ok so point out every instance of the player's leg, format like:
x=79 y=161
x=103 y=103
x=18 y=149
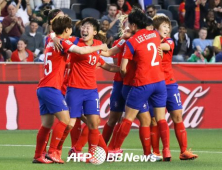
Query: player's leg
x=75 y=132
x=91 y=111
x=83 y=138
x=124 y=92
x=158 y=101
x=52 y=101
x=42 y=139
x=174 y=107
x=144 y=131
x=74 y=98
x=136 y=98
x=57 y=136
x=154 y=133
x=117 y=104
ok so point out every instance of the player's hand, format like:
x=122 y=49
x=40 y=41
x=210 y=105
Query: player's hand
x=104 y=47
x=57 y=44
x=160 y=51
x=127 y=34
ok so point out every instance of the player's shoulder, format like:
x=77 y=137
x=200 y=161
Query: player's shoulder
x=97 y=42
x=66 y=42
x=73 y=39
x=168 y=40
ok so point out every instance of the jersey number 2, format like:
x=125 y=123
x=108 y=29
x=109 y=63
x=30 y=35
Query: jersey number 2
x=48 y=62
x=153 y=63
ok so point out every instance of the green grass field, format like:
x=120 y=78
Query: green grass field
x=17 y=150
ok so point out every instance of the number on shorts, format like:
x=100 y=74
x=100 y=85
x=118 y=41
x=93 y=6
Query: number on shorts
x=49 y=63
x=177 y=96
x=153 y=63
x=97 y=102
x=92 y=60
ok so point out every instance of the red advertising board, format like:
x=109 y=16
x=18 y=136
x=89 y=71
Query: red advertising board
x=199 y=85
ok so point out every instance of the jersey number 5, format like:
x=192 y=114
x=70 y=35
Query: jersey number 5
x=49 y=63
x=153 y=63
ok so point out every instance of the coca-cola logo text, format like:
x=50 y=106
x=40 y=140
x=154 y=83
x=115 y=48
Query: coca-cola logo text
x=192 y=113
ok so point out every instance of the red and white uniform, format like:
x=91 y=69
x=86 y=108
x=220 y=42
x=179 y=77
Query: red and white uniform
x=54 y=65
x=83 y=67
x=167 y=62
x=147 y=59
x=120 y=43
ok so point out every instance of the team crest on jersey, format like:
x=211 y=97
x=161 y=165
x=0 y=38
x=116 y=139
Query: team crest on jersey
x=170 y=41
x=121 y=42
x=68 y=42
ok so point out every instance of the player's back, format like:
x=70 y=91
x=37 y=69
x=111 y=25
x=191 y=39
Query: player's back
x=83 y=67
x=144 y=46
x=54 y=66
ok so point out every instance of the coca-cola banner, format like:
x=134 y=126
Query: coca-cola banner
x=200 y=95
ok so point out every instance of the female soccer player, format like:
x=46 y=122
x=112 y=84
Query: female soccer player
x=49 y=94
x=119 y=95
x=148 y=81
x=173 y=104
x=82 y=91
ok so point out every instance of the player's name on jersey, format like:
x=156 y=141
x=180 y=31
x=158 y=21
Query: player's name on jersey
x=144 y=37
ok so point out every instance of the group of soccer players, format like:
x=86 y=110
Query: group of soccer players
x=143 y=87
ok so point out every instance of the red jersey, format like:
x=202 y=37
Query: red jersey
x=167 y=62
x=142 y=49
x=130 y=73
x=83 y=67
x=120 y=43
x=54 y=65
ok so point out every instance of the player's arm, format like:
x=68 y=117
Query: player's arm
x=56 y=41
x=110 y=67
x=87 y=49
x=160 y=51
x=165 y=46
x=110 y=52
x=123 y=65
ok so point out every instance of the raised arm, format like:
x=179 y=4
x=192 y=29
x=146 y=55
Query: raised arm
x=110 y=52
x=165 y=46
x=87 y=49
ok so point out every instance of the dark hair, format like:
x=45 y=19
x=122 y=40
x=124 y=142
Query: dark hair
x=139 y=18
x=113 y=5
x=212 y=4
x=92 y=21
x=60 y=24
x=211 y=53
x=33 y=21
x=182 y=25
x=51 y=14
x=96 y=27
x=159 y=19
x=25 y=41
x=124 y=8
x=151 y=6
